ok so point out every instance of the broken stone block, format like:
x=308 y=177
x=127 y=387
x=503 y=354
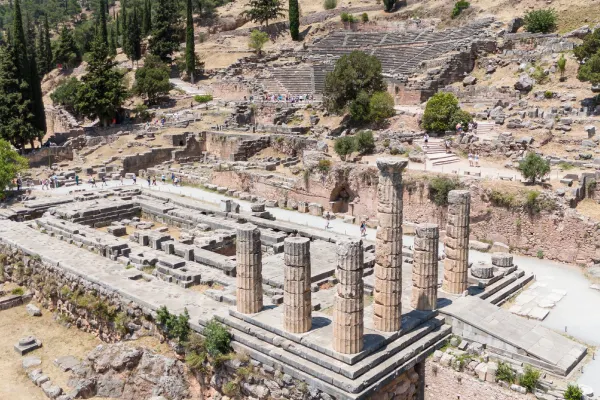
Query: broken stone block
x=482 y=271
x=481 y=371
x=51 y=390
x=27 y=344
x=492 y=368
x=33 y=310
x=31 y=361
x=437 y=355
x=66 y=363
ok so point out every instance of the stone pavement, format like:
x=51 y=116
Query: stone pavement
x=483 y=322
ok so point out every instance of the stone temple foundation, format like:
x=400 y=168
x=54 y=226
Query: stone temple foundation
x=348 y=312
x=387 y=307
x=425 y=267
x=456 y=245
x=297 y=306
x=249 y=270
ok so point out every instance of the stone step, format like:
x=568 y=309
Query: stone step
x=381 y=371
x=504 y=294
x=501 y=284
x=448 y=161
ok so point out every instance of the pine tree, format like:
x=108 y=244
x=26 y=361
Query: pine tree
x=102 y=21
x=294 y=15
x=19 y=43
x=164 y=39
x=262 y=11
x=66 y=52
x=133 y=46
x=147 y=18
x=47 y=45
x=102 y=91
x=117 y=23
x=190 y=50
x=16 y=119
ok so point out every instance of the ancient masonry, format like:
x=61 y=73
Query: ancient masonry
x=425 y=267
x=297 y=306
x=387 y=306
x=249 y=270
x=348 y=313
x=456 y=264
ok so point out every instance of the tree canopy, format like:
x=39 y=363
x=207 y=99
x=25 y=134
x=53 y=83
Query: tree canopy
x=11 y=164
x=534 y=167
x=353 y=73
x=152 y=80
x=165 y=40
x=442 y=113
x=263 y=11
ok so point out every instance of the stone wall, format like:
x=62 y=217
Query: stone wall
x=442 y=383
x=193 y=149
x=49 y=155
x=562 y=234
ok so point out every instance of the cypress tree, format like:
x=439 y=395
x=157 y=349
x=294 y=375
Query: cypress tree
x=147 y=18
x=124 y=20
x=164 y=39
x=117 y=23
x=190 y=53
x=16 y=118
x=47 y=45
x=133 y=47
x=34 y=81
x=102 y=20
x=112 y=42
x=19 y=44
x=294 y=16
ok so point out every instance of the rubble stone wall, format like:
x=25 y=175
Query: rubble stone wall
x=49 y=155
x=446 y=384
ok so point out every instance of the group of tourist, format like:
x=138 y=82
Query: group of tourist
x=473 y=159
x=288 y=98
x=50 y=182
x=152 y=180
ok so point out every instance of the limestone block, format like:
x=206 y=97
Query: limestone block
x=447 y=359
x=297 y=306
x=437 y=355
x=481 y=371
x=502 y=260
x=492 y=368
x=482 y=271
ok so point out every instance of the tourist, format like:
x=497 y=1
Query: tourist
x=148 y=178
x=104 y=181
x=163 y=178
x=172 y=177
x=134 y=178
x=448 y=144
x=55 y=178
x=94 y=182
x=459 y=128
x=470 y=126
x=426 y=139
x=175 y=181
x=154 y=180
x=327 y=220
x=477 y=159
x=76 y=180
x=363 y=229
x=121 y=180
x=19 y=183
x=470 y=158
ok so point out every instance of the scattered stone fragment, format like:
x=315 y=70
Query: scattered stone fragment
x=33 y=310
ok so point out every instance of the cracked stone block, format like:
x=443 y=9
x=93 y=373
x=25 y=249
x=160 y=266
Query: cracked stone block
x=33 y=310
x=27 y=344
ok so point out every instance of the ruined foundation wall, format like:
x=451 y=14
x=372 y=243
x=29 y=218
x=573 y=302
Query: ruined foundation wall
x=562 y=236
x=446 y=384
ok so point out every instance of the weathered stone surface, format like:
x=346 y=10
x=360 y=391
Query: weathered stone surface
x=31 y=361
x=525 y=83
x=297 y=296
x=33 y=310
x=456 y=243
x=425 y=267
x=249 y=270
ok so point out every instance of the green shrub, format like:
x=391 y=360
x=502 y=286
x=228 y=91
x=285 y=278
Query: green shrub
x=442 y=113
x=540 y=21
x=439 y=187
x=18 y=291
x=530 y=378
x=217 y=338
x=365 y=143
x=386 y=143
x=503 y=199
x=324 y=165
x=381 y=107
x=548 y=94
x=540 y=254
x=258 y=40
x=329 y=4
x=344 y=146
x=573 y=392
x=360 y=108
x=394 y=151
x=196 y=361
x=505 y=373
x=345 y=17
x=364 y=17
x=565 y=166
x=121 y=321
x=203 y=98
x=539 y=75
x=230 y=388
x=173 y=326
x=531 y=201
x=533 y=167
x=459 y=6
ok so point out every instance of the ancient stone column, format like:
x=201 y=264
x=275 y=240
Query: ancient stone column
x=425 y=267
x=387 y=307
x=456 y=264
x=297 y=306
x=348 y=311
x=249 y=269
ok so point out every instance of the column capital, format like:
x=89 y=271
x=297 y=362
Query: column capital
x=392 y=165
x=459 y=196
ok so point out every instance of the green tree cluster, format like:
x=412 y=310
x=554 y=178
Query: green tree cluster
x=174 y=326
x=442 y=113
x=389 y=5
x=152 y=80
x=11 y=164
x=44 y=48
x=459 y=6
x=66 y=52
x=363 y=142
x=132 y=42
x=165 y=37
x=258 y=40
x=355 y=78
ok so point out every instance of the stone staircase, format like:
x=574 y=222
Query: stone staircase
x=485 y=128
x=502 y=290
x=435 y=151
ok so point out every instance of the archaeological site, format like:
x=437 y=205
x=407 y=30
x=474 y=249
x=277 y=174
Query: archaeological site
x=300 y=199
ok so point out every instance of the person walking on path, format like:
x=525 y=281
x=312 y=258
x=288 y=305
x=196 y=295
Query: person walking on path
x=154 y=181
x=148 y=180
x=76 y=180
x=470 y=158
x=363 y=229
x=94 y=182
x=104 y=181
x=121 y=180
x=426 y=139
x=134 y=179
x=163 y=178
x=477 y=159
x=327 y=220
